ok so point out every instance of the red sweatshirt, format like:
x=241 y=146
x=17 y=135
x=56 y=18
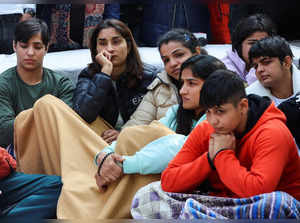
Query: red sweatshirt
x=266 y=160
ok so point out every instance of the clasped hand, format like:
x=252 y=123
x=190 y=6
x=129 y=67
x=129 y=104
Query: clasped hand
x=109 y=172
x=218 y=142
x=110 y=135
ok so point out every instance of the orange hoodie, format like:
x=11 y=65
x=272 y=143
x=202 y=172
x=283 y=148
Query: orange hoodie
x=266 y=159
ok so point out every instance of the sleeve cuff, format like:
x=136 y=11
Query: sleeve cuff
x=130 y=165
x=96 y=158
x=225 y=152
x=212 y=161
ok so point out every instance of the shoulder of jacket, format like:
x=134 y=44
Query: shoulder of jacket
x=160 y=79
x=85 y=73
x=150 y=69
x=255 y=88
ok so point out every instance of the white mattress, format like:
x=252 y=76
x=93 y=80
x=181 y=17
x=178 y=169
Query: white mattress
x=70 y=63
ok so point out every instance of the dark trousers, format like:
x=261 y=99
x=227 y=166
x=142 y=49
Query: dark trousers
x=29 y=195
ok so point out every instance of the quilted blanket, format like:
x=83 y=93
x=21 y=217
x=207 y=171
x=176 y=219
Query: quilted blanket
x=152 y=202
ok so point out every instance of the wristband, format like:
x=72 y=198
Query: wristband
x=219 y=152
x=212 y=161
x=96 y=158
x=102 y=161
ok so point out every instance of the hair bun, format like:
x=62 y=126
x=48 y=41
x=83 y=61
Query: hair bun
x=202 y=41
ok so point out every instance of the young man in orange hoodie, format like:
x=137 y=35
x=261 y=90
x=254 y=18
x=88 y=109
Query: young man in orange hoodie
x=243 y=156
x=243 y=149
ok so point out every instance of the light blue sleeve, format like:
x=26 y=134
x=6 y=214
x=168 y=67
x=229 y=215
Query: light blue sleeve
x=107 y=149
x=155 y=156
x=169 y=119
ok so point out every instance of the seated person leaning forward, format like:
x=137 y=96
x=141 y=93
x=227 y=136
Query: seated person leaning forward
x=244 y=150
x=113 y=85
x=69 y=147
x=22 y=85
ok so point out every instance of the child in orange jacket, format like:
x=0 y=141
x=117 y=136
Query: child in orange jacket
x=243 y=149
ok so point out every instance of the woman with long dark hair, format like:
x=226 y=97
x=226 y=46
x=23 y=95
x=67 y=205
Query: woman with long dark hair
x=113 y=85
x=246 y=33
x=175 y=47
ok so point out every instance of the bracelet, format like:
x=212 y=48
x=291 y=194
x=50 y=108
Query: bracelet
x=96 y=158
x=102 y=161
x=211 y=161
x=219 y=152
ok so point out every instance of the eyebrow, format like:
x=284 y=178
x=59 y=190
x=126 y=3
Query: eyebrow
x=114 y=37
x=191 y=79
x=252 y=39
x=174 y=51
x=264 y=58
x=218 y=107
x=35 y=43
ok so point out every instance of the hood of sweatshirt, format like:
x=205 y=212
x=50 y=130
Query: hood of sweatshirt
x=261 y=110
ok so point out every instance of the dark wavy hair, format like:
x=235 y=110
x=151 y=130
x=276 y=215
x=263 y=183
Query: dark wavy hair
x=223 y=86
x=249 y=25
x=185 y=37
x=272 y=46
x=134 y=62
x=201 y=66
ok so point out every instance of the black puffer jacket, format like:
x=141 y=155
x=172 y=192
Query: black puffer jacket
x=96 y=95
x=291 y=109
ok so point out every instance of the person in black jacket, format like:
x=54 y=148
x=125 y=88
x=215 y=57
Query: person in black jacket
x=291 y=109
x=113 y=85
